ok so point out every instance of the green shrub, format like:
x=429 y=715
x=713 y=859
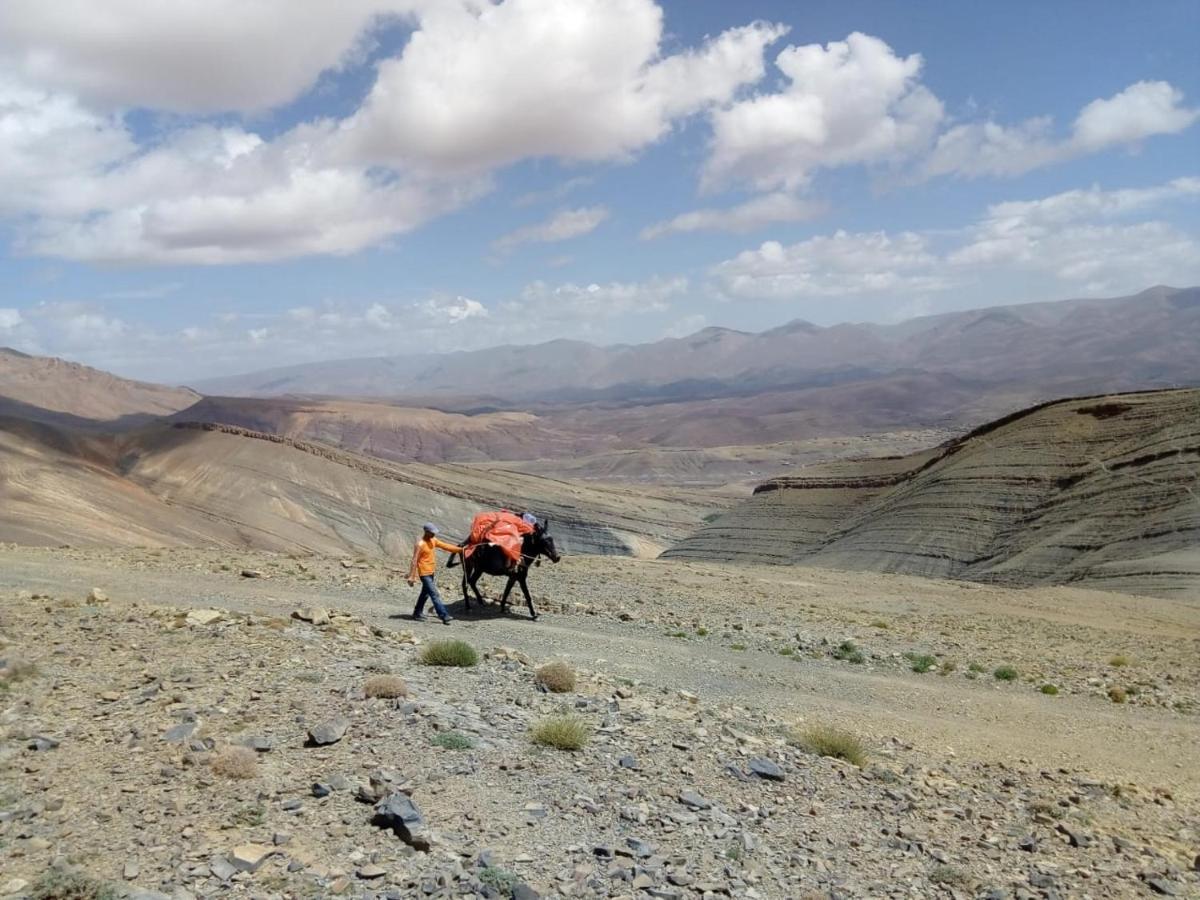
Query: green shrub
x=976 y=667
x=848 y=651
x=825 y=740
x=879 y=623
x=1119 y=661
x=454 y=740
x=786 y=651
x=562 y=732
x=1048 y=689
x=921 y=662
x=250 y=816
x=1005 y=673
x=738 y=647
x=61 y=885
x=557 y=677
x=949 y=875
x=500 y=880
x=449 y=653
x=702 y=631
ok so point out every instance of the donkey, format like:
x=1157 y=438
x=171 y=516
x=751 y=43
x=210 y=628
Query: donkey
x=488 y=559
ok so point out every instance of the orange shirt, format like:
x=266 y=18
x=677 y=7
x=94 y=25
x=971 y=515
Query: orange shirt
x=424 y=560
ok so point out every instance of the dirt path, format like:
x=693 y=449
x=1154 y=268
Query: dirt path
x=978 y=719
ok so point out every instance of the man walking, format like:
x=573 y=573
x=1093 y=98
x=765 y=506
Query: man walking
x=424 y=564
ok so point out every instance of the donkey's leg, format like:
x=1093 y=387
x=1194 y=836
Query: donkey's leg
x=466 y=569
x=512 y=579
x=528 y=598
x=474 y=583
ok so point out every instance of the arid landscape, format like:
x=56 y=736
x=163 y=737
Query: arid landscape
x=599 y=450
x=763 y=700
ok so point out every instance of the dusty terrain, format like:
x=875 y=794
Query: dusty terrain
x=690 y=676
x=1101 y=491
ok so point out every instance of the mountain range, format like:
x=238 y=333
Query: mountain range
x=1146 y=340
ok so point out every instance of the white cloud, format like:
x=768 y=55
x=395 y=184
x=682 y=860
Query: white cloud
x=212 y=56
x=452 y=309
x=1142 y=110
x=10 y=319
x=757 y=212
x=1074 y=237
x=848 y=102
x=834 y=265
x=1076 y=240
x=572 y=79
x=580 y=303
x=562 y=226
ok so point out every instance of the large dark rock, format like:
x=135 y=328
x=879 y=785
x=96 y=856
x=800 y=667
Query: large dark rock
x=398 y=812
x=766 y=768
x=329 y=732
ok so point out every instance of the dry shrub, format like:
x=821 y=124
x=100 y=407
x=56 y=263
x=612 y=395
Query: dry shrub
x=825 y=740
x=387 y=686
x=563 y=732
x=557 y=677
x=58 y=884
x=235 y=762
x=1118 y=694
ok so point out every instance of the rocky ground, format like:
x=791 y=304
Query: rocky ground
x=122 y=710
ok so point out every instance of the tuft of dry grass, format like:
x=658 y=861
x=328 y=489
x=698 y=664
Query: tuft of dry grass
x=1118 y=694
x=557 y=677
x=1119 y=661
x=387 y=686
x=826 y=740
x=57 y=884
x=234 y=762
x=449 y=653
x=562 y=732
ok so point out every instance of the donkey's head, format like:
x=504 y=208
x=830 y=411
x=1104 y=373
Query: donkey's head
x=542 y=544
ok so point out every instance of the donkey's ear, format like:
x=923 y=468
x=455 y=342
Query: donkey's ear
x=546 y=524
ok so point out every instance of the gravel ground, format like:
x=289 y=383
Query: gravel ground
x=972 y=786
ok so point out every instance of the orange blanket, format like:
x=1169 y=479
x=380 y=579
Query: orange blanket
x=504 y=529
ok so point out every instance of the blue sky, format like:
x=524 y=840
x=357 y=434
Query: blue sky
x=196 y=190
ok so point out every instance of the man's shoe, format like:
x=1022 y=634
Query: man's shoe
x=417 y=618
x=447 y=620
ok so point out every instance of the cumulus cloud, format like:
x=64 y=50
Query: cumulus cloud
x=581 y=303
x=9 y=319
x=204 y=195
x=561 y=226
x=829 y=266
x=215 y=56
x=572 y=79
x=1080 y=239
x=758 y=212
x=852 y=101
x=1142 y=110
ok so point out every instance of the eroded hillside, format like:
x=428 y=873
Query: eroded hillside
x=1099 y=491
x=205 y=486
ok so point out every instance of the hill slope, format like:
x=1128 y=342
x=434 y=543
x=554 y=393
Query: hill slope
x=1099 y=491
x=53 y=390
x=181 y=486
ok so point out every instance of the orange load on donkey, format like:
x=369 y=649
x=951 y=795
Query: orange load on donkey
x=505 y=529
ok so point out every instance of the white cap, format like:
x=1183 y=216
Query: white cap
x=430 y=527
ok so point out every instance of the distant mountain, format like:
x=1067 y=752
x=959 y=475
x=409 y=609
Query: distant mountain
x=1146 y=340
x=53 y=390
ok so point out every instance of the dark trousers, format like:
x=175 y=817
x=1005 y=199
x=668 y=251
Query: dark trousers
x=429 y=591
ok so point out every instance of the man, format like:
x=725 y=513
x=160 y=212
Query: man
x=424 y=564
